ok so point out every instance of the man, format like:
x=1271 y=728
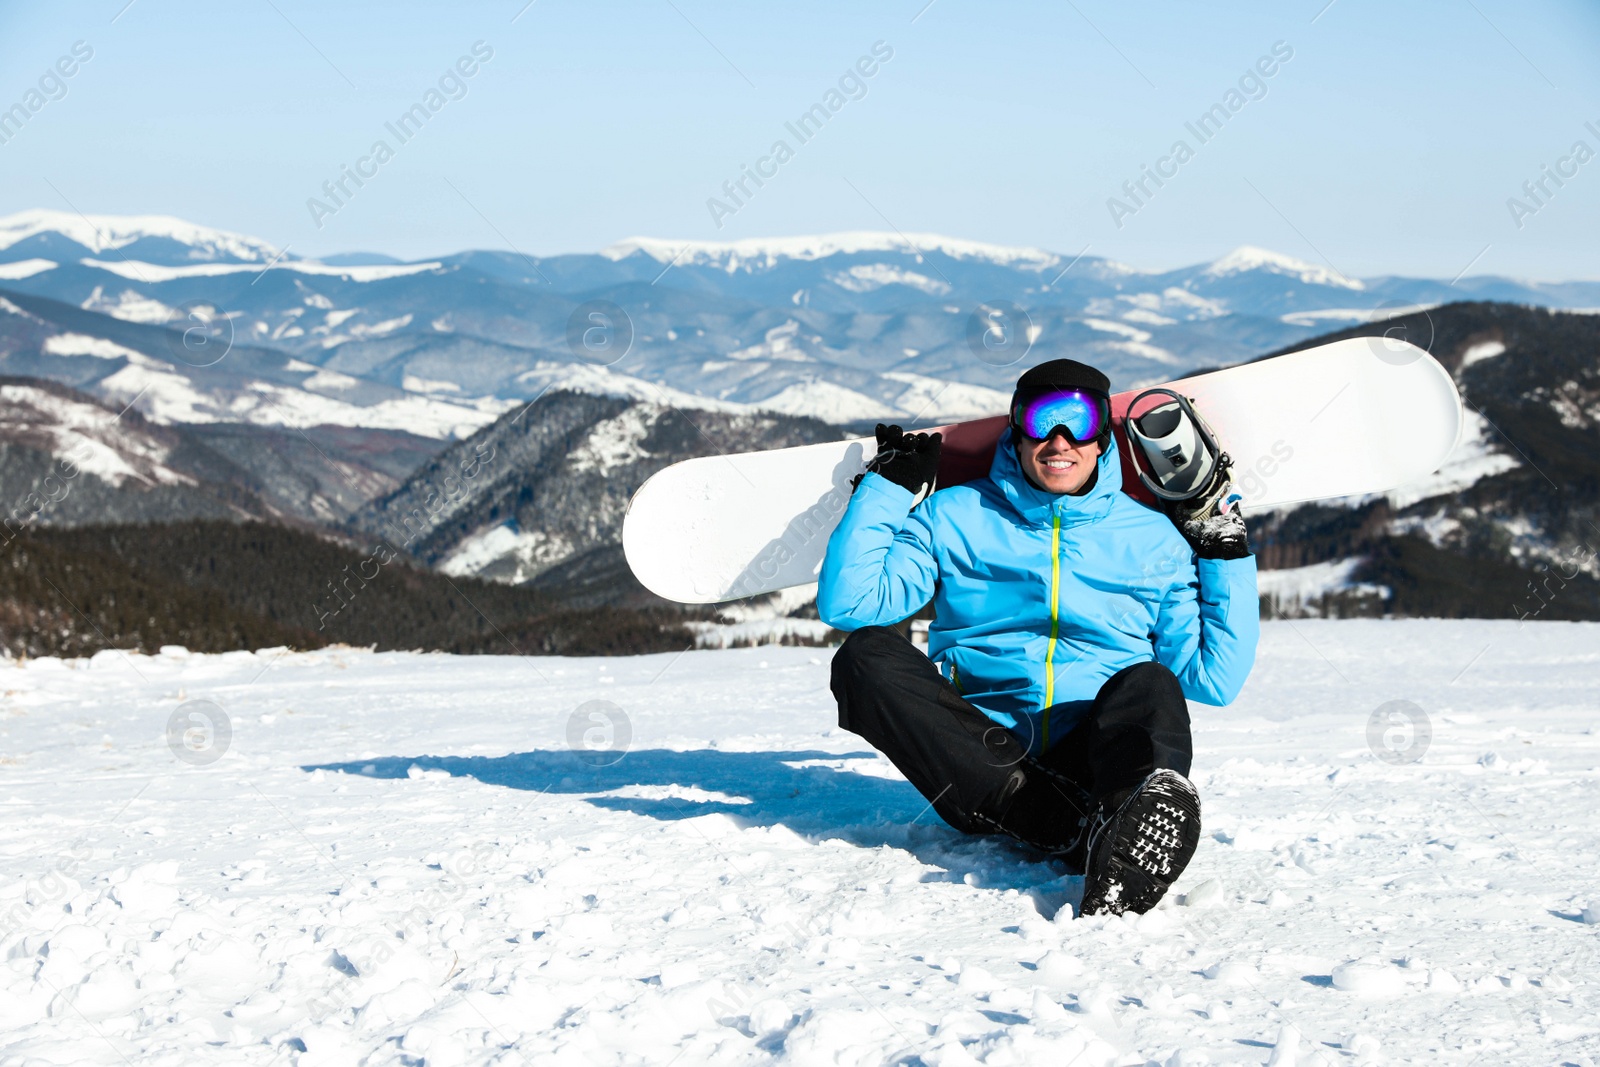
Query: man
x=1070 y=624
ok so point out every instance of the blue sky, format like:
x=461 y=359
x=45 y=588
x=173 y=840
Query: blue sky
x=1390 y=142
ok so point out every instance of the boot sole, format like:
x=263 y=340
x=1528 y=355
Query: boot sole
x=1145 y=848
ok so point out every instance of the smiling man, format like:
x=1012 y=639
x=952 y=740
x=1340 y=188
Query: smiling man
x=1070 y=624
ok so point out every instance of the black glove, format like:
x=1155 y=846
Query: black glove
x=1212 y=526
x=909 y=460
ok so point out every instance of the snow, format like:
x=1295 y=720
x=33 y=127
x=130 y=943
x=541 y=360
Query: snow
x=1201 y=306
x=1153 y=353
x=1291 y=589
x=154 y=274
x=826 y=401
x=129 y=306
x=1321 y=315
x=166 y=396
x=88 y=437
x=411 y=383
x=941 y=400
x=78 y=344
x=1481 y=351
x=24 y=268
x=531 y=550
x=777 y=343
x=764 y=620
x=162 y=394
x=1437 y=528
x=1107 y=326
x=1149 y=318
x=865 y=277
x=102 y=233
x=616 y=442
x=767 y=252
x=404 y=857
x=1380 y=314
x=329 y=379
x=602 y=381
x=1146 y=307
x=1250 y=258
x=922 y=400
x=759 y=632
x=379 y=328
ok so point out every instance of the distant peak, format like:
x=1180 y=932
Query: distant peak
x=103 y=233
x=1249 y=257
x=753 y=252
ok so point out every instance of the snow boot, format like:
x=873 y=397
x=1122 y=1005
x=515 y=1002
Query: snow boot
x=1044 y=810
x=1137 y=849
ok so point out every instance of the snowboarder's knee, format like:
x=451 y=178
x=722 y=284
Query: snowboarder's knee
x=1151 y=680
x=867 y=643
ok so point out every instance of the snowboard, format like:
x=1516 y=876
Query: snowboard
x=1358 y=416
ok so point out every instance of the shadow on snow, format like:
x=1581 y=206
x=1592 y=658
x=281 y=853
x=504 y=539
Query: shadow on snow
x=813 y=793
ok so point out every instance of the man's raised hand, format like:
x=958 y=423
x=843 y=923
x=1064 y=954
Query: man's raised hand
x=909 y=460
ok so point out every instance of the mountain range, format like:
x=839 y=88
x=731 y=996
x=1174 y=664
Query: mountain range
x=473 y=413
x=845 y=327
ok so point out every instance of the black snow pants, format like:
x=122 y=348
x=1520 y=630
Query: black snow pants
x=975 y=773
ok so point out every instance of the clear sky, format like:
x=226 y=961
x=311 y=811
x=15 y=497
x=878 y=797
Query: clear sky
x=1389 y=142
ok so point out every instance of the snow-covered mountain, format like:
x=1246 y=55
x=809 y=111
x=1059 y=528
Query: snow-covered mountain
x=542 y=492
x=844 y=327
x=67 y=460
x=759 y=253
x=551 y=483
x=132 y=238
x=338 y=386
x=201 y=378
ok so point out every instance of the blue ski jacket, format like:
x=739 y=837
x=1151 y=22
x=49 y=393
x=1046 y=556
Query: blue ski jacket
x=1040 y=597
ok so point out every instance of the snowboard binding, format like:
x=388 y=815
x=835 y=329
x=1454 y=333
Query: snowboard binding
x=1189 y=475
x=1182 y=464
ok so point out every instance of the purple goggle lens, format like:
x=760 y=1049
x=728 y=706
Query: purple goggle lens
x=1082 y=414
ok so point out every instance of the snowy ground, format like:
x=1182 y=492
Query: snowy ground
x=400 y=859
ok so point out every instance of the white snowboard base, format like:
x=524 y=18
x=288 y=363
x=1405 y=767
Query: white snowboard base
x=1358 y=416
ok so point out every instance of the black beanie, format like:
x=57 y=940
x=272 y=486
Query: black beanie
x=1061 y=374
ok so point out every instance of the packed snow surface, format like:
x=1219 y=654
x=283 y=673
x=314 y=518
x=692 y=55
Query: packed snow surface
x=406 y=859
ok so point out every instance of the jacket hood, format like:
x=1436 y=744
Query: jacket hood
x=1038 y=507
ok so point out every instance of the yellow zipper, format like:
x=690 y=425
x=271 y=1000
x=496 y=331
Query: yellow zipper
x=1055 y=624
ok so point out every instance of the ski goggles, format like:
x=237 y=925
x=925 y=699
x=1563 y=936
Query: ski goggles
x=1082 y=414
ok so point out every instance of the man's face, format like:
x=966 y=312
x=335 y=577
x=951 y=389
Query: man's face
x=1057 y=465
